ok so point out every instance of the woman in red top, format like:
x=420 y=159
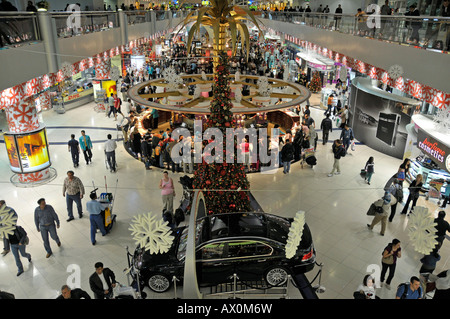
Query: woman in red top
x=245 y=148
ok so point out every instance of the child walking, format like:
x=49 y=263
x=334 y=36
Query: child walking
x=369 y=169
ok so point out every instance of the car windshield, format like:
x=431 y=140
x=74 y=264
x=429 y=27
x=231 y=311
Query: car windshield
x=181 y=253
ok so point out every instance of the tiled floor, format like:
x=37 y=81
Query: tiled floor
x=335 y=211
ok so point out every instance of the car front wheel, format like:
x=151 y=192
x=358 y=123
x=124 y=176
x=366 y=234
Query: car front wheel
x=276 y=276
x=158 y=283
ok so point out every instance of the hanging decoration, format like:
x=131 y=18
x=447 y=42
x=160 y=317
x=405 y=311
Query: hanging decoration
x=264 y=87
x=174 y=81
x=442 y=119
x=151 y=234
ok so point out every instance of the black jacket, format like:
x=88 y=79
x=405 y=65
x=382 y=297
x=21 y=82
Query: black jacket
x=96 y=283
x=442 y=227
x=287 y=152
x=76 y=293
x=338 y=151
x=19 y=236
x=327 y=124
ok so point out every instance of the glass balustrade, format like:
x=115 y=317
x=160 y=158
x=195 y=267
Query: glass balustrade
x=427 y=32
x=18 y=28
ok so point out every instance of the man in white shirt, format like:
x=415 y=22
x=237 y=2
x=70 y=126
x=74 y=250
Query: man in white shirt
x=127 y=105
x=110 y=151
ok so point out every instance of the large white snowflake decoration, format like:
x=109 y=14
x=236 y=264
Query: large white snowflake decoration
x=295 y=234
x=264 y=88
x=237 y=76
x=442 y=119
x=151 y=234
x=197 y=91
x=174 y=81
x=238 y=95
x=7 y=222
x=343 y=74
x=422 y=230
x=67 y=69
x=114 y=73
x=395 y=71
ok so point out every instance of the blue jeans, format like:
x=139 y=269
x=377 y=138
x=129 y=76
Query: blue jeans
x=111 y=158
x=45 y=230
x=286 y=166
x=368 y=176
x=346 y=144
x=69 y=201
x=15 y=248
x=96 y=222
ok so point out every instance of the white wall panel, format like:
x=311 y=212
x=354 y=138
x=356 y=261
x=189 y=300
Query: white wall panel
x=18 y=65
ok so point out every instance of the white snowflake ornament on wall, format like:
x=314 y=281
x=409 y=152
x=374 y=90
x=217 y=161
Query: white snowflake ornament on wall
x=8 y=222
x=395 y=71
x=295 y=234
x=67 y=69
x=114 y=73
x=442 y=119
x=151 y=234
x=422 y=230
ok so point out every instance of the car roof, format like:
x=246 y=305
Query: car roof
x=248 y=224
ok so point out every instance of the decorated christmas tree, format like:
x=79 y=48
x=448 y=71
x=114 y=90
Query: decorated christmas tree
x=225 y=183
x=315 y=85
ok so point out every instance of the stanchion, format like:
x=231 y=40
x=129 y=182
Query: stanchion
x=175 y=279
x=319 y=288
x=235 y=278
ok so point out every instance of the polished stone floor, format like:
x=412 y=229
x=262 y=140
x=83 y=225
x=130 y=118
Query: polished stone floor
x=335 y=211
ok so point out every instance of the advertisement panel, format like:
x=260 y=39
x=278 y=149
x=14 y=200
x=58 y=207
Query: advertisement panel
x=379 y=118
x=436 y=150
x=28 y=152
x=109 y=87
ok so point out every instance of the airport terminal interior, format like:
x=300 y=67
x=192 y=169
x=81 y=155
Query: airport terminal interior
x=352 y=92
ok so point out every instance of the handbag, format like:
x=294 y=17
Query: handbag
x=388 y=261
x=373 y=209
x=26 y=241
x=353 y=146
x=363 y=173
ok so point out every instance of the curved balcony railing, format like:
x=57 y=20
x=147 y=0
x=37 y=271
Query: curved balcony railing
x=426 y=32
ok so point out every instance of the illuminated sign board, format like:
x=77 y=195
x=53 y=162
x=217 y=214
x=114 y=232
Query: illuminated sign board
x=27 y=152
x=435 y=149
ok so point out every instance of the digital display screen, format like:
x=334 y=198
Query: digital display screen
x=27 y=152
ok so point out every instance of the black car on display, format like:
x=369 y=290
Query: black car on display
x=252 y=245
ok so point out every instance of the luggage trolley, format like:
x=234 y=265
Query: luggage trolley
x=434 y=189
x=107 y=201
x=308 y=157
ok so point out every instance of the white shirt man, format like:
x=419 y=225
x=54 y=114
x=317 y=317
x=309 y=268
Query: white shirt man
x=110 y=151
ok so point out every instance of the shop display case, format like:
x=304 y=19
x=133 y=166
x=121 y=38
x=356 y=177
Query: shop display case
x=430 y=171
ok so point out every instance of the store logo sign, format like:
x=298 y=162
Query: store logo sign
x=435 y=149
x=373 y=20
x=74 y=20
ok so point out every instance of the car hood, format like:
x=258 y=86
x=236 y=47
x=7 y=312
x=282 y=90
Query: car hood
x=156 y=259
